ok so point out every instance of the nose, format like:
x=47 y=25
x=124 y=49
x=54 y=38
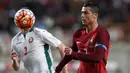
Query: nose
x=82 y=15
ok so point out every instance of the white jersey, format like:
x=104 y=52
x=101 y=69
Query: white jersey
x=34 y=50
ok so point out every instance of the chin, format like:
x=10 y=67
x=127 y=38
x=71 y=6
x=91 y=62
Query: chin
x=83 y=23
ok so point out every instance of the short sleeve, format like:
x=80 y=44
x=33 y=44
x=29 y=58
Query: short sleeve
x=50 y=39
x=13 y=50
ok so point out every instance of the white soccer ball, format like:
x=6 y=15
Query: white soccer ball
x=24 y=18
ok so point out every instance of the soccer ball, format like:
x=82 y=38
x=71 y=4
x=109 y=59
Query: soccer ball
x=24 y=18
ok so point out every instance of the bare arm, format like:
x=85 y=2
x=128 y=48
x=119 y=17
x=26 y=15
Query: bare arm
x=61 y=48
x=15 y=62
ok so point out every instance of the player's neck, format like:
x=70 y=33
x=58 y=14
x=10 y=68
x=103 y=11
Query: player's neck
x=91 y=27
x=26 y=30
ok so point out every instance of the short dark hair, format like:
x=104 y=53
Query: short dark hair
x=94 y=7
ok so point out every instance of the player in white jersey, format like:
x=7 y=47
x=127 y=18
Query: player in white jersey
x=32 y=46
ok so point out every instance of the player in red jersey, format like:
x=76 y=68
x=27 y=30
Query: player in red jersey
x=90 y=44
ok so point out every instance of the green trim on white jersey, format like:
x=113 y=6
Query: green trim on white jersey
x=48 y=58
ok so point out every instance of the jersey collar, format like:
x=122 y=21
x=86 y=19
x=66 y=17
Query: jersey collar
x=31 y=29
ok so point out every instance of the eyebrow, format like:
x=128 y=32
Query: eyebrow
x=83 y=11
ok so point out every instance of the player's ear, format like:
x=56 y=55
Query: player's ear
x=95 y=15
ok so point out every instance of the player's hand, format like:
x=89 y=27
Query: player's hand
x=14 y=56
x=55 y=72
x=68 y=51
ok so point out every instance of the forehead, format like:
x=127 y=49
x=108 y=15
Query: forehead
x=84 y=9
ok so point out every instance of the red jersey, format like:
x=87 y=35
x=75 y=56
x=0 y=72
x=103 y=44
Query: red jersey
x=91 y=49
x=92 y=44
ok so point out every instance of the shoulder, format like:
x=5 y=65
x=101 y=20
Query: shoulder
x=16 y=36
x=39 y=30
x=102 y=31
x=14 y=39
x=78 y=32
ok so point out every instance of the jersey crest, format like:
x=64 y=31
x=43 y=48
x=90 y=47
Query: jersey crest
x=31 y=39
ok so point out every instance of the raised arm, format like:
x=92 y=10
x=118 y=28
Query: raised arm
x=15 y=61
x=15 y=57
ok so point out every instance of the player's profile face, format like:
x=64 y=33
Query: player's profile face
x=86 y=16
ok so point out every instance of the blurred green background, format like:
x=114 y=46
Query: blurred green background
x=62 y=18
